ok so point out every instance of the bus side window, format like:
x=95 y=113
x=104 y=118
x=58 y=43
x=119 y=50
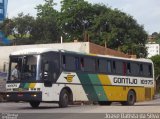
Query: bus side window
x=141 y=69
x=150 y=70
x=124 y=68
x=89 y=64
x=119 y=67
x=135 y=69
x=114 y=67
x=147 y=70
x=109 y=66
x=76 y=63
x=64 y=61
x=70 y=63
x=103 y=66
x=97 y=66
x=82 y=64
x=128 y=68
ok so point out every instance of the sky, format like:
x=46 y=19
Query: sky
x=146 y=12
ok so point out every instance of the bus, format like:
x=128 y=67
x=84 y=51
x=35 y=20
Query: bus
x=64 y=77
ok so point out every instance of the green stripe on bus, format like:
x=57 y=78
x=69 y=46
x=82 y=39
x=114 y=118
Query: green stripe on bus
x=88 y=87
x=26 y=85
x=98 y=87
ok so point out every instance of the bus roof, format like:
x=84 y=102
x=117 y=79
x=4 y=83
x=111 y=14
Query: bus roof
x=32 y=51
x=37 y=51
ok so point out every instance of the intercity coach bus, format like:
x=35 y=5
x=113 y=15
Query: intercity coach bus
x=46 y=75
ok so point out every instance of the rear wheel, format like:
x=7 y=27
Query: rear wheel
x=131 y=98
x=104 y=103
x=64 y=98
x=34 y=104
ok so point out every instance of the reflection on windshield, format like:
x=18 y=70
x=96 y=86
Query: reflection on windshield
x=23 y=67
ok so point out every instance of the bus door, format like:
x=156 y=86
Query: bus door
x=50 y=72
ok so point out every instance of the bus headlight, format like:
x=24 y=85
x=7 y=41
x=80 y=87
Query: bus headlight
x=34 y=95
x=8 y=95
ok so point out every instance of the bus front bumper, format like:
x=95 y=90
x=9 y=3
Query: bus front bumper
x=24 y=96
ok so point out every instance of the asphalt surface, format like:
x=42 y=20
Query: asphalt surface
x=49 y=110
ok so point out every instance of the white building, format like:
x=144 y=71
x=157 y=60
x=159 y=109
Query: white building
x=152 y=49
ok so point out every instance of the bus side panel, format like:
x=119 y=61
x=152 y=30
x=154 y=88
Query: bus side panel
x=115 y=93
x=140 y=93
x=72 y=81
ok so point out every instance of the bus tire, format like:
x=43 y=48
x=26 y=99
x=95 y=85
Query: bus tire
x=104 y=103
x=131 y=98
x=34 y=104
x=64 y=98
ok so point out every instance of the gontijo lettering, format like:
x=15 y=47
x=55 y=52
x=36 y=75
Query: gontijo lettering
x=124 y=80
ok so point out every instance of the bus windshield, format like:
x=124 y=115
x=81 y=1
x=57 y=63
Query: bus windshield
x=24 y=68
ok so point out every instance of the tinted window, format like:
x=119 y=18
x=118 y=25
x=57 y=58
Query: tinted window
x=89 y=64
x=50 y=66
x=64 y=61
x=124 y=68
x=109 y=66
x=128 y=68
x=141 y=69
x=82 y=64
x=70 y=63
x=150 y=70
x=102 y=66
x=135 y=69
x=77 y=63
x=113 y=66
x=119 y=69
x=145 y=70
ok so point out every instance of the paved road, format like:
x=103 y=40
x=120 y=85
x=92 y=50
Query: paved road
x=49 y=108
x=141 y=107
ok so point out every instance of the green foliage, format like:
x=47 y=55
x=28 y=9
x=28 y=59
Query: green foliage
x=156 y=61
x=157 y=37
x=74 y=17
x=78 y=19
x=45 y=28
x=100 y=24
x=19 y=28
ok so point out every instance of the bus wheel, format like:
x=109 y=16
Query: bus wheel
x=64 y=98
x=104 y=103
x=34 y=104
x=131 y=98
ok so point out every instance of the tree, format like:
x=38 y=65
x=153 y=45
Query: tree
x=156 y=62
x=75 y=18
x=156 y=36
x=78 y=19
x=6 y=27
x=19 y=28
x=102 y=25
x=119 y=31
x=45 y=28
